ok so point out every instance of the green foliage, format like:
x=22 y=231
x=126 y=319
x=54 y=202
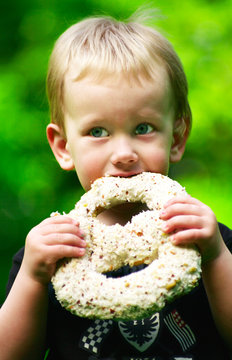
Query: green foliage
x=32 y=185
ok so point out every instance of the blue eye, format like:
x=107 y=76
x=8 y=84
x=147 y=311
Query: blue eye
x=99 y=132
x=143 y=128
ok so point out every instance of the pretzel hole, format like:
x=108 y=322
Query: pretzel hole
x=121 y=213
x=124 y=271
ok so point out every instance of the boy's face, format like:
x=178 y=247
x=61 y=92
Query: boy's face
x=118 y=128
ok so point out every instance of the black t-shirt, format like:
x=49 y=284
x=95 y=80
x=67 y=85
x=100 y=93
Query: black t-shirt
x=184 y=329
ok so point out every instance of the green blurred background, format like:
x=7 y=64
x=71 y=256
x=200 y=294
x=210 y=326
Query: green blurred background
x=31 y=183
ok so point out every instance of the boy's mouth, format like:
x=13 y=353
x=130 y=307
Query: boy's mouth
x=124 y=174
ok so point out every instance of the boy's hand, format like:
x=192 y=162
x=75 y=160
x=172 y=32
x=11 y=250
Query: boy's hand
x=191 y=221
x=53 y=239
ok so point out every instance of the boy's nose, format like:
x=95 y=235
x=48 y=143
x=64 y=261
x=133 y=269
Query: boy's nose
x=123 y=152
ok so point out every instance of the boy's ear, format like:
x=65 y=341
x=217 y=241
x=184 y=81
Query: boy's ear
x=58 y=144
x=180 y=135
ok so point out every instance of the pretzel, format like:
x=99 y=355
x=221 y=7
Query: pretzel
x=81 y=284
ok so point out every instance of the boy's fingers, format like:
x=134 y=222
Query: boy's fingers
x=59 y=219
x=185 y=236
x=182 y=222
x=179 y=209
x=63 y=251
x=65 y=239
x=62 y=228
x=186 y=199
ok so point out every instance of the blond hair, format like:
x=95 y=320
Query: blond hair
x=103 y=46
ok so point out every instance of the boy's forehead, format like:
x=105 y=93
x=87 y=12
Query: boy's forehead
x=141 y=91
x=159 y=80
x=77 y=71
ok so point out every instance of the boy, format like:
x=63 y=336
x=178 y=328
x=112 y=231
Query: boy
x=118 y=98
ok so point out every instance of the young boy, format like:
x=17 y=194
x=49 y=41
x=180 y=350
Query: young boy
x=118 y=98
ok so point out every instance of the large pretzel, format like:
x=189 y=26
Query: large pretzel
x=81 y=285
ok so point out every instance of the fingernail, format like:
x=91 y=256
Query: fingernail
x=162 y=213
x=82 y=252
x=164 y=227
x=172 y=239
x=83 y=243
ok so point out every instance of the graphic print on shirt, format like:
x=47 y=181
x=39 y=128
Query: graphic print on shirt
x=141 y=334
x=95 y=335
x=180 y=330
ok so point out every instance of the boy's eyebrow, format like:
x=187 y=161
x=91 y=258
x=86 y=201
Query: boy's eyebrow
x=148 y=113
x=90 y=122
